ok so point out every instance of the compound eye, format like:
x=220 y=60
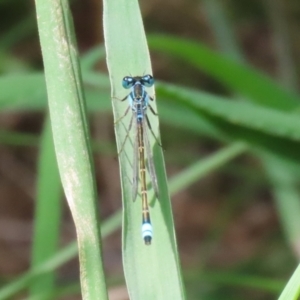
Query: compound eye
x=127 y=82
x=147 y=80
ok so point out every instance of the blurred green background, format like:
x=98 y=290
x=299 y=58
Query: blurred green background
x=238 y=226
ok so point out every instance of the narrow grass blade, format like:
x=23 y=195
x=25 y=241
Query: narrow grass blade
x=71 y=138
x=201 y=121
x=222 y=278
x=60 y=258
x=205 y=166
x=292 y=289
x=282 y=43
x=251 y=115
x=46 y=231
x=221 y=28
x=236 y=76
x=31 y=93
x=21 y=30
x=152 y=272
x=12 y=138
x=92 y=57
x=284 y=182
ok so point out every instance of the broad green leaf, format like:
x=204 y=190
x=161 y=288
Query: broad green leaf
x=152 y=272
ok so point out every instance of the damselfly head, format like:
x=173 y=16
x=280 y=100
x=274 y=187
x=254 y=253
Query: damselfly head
x=147 y=80
x=128 y=82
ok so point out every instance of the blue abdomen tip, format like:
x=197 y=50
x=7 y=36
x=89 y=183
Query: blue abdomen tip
x=147 y=232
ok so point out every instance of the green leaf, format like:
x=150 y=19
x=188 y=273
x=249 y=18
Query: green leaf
x=62 y=256
x=46 y=230
x=193 y=117
x=238 y=77
x=71 y=138
x=152 y=272
x=92 y=57
x=292 y=289
x=31 y=92
x=205 y=166
x=284 y=181
x=250 y=115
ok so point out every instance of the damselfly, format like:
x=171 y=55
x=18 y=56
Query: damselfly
x=138 y=100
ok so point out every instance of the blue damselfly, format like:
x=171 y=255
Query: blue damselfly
x=138 y=100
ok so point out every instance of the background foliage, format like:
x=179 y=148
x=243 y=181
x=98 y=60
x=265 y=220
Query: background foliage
x=228 y=103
